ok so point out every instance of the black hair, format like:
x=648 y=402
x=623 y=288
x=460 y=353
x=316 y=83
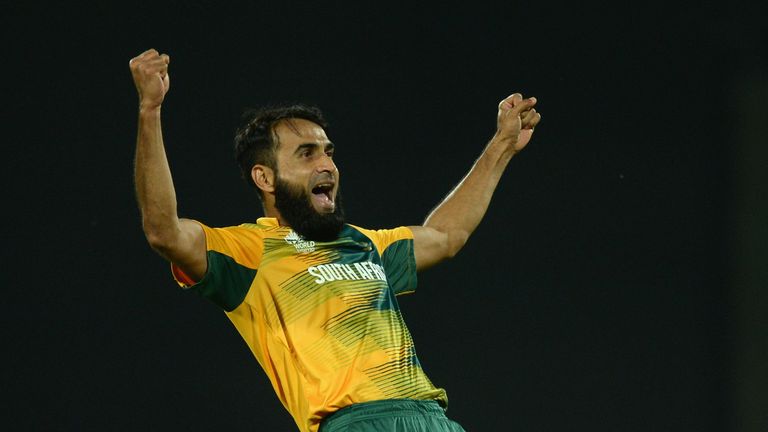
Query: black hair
x=256 y=141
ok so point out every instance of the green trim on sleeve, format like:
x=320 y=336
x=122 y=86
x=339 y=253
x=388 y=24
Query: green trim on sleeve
x=400 y=266
x=226 y=283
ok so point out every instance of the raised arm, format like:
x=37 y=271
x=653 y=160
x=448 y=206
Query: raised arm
x=177 y=240
x=449 y=225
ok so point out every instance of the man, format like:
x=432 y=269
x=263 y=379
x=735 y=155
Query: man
x=313 y=296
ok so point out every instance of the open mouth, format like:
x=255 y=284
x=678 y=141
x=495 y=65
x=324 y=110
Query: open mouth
x=322 y=197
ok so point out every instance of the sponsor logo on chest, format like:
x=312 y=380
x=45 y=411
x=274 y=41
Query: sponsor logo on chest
x=300 y=243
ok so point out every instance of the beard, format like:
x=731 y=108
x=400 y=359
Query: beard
x=295 y=207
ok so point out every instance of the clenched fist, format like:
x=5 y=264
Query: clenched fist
x=516 y=120
x=150 y=74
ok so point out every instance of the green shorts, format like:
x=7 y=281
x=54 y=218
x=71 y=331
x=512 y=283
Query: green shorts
x=407 y=415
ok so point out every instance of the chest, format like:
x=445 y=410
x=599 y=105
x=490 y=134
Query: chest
x=315 y=282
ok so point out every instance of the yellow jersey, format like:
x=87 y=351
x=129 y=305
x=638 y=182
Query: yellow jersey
x=321 y=318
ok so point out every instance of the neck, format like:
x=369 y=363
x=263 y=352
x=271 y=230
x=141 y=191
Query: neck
x=268 y=205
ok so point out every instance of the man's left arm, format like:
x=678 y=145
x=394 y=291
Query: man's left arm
x=449 y=225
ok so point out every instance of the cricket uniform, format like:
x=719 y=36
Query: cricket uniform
x=321 y=318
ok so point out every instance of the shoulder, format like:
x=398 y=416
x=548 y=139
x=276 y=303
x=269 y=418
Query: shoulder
x=237 y=238
x=383 y=238
x=402 y=232
x=263 y=227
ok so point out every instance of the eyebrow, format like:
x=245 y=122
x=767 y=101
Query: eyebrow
x=304 y=146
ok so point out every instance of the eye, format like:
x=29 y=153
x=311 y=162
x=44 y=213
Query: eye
x=329 y=153
x=306 y=153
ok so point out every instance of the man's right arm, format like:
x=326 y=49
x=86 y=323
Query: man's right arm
x=180 y=241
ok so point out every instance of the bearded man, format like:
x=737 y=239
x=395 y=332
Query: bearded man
x=313 y=296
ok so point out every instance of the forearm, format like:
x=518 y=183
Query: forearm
x=154 y=186
x=461 y=211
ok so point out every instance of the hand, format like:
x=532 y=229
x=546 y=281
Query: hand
x=516 y=120
x=150 y=75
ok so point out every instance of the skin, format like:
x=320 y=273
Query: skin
x=305 y=158
x=448 y=227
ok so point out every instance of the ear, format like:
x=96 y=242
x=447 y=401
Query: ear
x=264 y=177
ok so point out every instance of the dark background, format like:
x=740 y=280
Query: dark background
x=617 y=283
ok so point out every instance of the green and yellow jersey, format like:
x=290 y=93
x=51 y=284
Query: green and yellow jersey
x=321 y=318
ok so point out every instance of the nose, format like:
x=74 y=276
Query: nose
x=325 y=164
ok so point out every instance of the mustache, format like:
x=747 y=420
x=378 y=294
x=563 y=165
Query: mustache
x=294 y=204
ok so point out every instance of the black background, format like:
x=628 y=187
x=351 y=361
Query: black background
x=597 y=294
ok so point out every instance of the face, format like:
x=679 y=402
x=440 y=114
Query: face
x=307 y=181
